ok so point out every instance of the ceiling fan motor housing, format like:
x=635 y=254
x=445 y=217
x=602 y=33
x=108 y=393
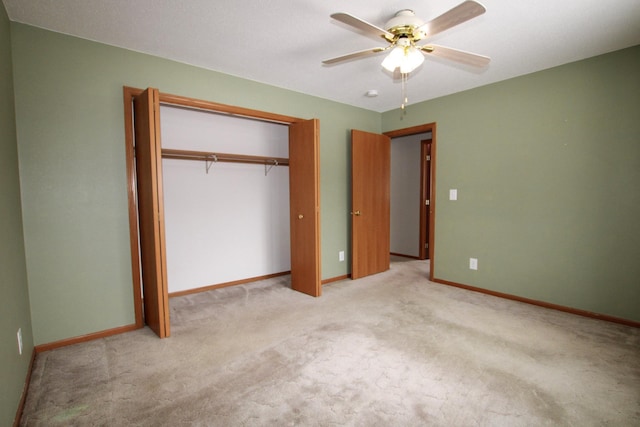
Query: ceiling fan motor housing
x=404 y=25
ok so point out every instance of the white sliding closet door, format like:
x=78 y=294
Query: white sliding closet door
x=232 y=222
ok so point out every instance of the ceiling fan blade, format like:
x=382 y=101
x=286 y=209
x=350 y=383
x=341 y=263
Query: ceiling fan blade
x=354 y=55
x=461 y=56
x=358 y=23
x=459 y=14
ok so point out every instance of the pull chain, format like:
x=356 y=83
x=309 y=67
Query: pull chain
x=405 y=99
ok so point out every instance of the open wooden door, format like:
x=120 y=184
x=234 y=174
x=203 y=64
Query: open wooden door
x=148 y=158
x=304 y=194
x=370 y=208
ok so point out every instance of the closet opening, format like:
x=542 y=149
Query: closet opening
x=187 y=160
x=226 y=199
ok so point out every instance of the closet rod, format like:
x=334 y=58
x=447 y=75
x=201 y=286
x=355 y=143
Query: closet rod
x=168 y=153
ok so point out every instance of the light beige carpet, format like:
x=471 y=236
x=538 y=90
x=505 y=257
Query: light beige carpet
x=388 y=350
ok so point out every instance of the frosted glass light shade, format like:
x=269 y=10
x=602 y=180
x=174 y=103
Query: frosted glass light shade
x=408 y=58
x=412 y=59
x=394 y=59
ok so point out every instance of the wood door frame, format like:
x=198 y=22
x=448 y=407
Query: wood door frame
x=180 y=101
x=414 y=130
x=425 y=194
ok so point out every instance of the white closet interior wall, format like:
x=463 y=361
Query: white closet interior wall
x=231 y=223
x=405 y=194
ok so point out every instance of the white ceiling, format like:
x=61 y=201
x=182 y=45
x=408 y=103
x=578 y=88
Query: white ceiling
x=282 y=42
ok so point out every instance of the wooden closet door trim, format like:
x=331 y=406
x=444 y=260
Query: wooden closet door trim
x=232 y=110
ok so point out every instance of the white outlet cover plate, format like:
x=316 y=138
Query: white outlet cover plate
x=473 y=263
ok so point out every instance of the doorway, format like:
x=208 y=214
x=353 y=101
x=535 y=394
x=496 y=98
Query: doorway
x=427 y=212
x=410 y=164
x=304 y=196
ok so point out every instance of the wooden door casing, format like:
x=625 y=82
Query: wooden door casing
x=370 y=207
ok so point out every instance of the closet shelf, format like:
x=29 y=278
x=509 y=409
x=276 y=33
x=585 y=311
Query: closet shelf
x=168 y=153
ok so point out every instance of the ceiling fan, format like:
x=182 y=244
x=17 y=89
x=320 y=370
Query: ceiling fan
x=405 y=29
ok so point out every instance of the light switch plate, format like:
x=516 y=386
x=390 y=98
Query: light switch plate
x=453 y=194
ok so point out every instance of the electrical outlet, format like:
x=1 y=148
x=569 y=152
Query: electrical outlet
x=341 y=256
x=19 y=340
x=473 y=263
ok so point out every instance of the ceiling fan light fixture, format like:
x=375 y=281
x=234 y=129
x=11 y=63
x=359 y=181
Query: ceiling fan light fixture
x=404 y=56
x=404 y=30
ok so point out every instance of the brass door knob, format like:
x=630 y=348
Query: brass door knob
x=300 y=216
x=356 y=213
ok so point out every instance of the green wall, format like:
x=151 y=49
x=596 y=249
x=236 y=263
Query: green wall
x=14 y=296
x=547 y=168
x=70 y=124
